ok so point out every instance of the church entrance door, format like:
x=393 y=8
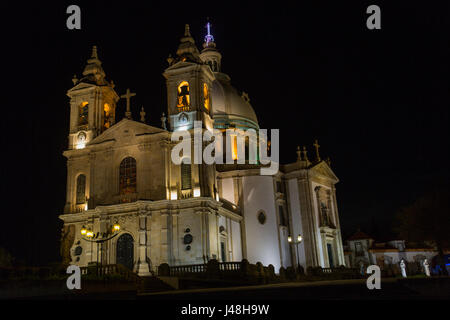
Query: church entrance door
x=124 y=251
x=223 y=252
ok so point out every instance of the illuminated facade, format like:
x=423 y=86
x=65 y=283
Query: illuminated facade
x=188 y=213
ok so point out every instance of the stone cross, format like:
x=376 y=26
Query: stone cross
x=128 y=96
x=317 y=146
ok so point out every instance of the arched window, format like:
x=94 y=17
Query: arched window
x=206 y=96
x=184 y=99
x=186 y=182
x=81 y=189
x=107 y=116
x=83 y=113
x=127 y=176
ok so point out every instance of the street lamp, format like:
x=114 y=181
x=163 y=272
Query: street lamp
x=296 y=243
x=99 y=238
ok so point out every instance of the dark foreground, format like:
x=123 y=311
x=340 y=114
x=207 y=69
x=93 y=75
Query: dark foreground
x=391 y=289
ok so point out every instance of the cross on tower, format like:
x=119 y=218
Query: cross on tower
x=209 y=37
x=128 y=96
x=317 y=146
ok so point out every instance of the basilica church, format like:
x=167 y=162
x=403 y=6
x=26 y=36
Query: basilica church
x=128 y=203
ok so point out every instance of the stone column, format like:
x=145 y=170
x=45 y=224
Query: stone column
x=340 y=247
x=175 y=240
x=308 y=222
x=164 y=254
x=142 y=267
x=322 y=223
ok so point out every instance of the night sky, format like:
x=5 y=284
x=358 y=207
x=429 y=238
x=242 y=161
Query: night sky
x=377 y=100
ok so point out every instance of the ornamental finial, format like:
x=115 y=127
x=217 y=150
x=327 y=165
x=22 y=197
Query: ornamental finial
x=94 y=52
x=142 y=113
x=305 y=155
x=317 y=146
x=187 y=32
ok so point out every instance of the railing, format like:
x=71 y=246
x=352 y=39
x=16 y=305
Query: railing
x=111 y=269
x=229 y=266
x=186 y=269
x=75 y=208
x=198 y=269
x=186 y=193
x=241 y=271
x=184 y=108
x=339 y=270
x=332 y=272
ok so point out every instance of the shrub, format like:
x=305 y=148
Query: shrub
x=290 y=273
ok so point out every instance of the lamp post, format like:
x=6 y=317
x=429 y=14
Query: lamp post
x=296 y=243
x=99 y=238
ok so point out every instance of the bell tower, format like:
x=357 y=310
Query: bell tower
x=188 y=81
x=92 y=104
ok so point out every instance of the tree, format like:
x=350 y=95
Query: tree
x=5 y=258
x=428 y=218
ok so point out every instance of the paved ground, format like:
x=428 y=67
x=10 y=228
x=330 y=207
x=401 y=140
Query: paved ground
x=391 y=289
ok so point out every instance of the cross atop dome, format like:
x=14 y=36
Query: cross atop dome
x=209 y=39
x=210 y=55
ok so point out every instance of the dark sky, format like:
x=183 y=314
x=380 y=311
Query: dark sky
x=377 y=100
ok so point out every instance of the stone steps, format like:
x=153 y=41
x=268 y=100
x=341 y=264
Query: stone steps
x=154 y=284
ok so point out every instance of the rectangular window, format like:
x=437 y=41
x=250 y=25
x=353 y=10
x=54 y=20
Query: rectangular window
x=223 y=251
x=281 y=213
x=359 y=249
x=186 y=182
x=81 y=189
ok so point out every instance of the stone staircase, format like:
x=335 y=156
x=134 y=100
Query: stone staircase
x=153 y=284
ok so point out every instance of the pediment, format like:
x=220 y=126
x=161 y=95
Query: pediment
x=323 y=169
x=81 y=86
x=127 y=130
x=180 y=65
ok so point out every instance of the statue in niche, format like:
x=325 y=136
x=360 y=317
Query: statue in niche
x=324 y=212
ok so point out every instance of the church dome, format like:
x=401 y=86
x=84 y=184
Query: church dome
x=229 y=107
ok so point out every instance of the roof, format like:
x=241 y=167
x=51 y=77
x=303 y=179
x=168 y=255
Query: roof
x=226 y=101
x=125 y=125
x=359 y=235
